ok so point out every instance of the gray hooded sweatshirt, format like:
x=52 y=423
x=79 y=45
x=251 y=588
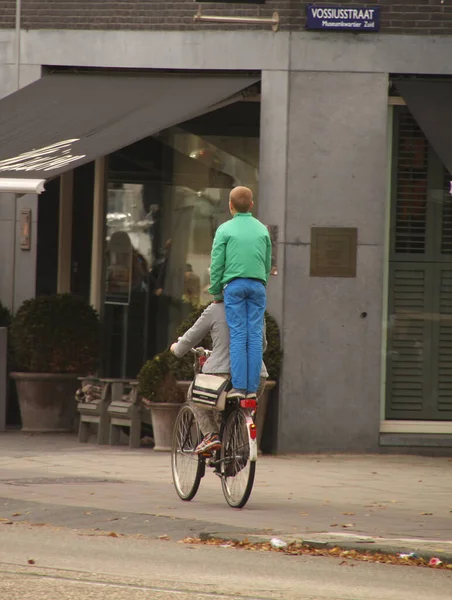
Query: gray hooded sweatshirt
x=213 y=321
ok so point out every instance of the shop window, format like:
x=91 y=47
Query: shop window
x=169 y=193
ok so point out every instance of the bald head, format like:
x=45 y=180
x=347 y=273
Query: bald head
x=241 y=199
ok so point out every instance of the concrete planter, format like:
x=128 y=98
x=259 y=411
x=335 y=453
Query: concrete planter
x=262 y=410
x=262 y=407
x=164 y=415
x=47 y=401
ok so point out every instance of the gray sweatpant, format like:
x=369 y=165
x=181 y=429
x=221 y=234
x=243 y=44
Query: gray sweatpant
x=209 y=419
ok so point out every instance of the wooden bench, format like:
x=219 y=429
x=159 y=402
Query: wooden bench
x=125 y=410
x=94 y=409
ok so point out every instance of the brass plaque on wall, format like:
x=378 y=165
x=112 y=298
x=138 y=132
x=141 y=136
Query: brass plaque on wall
x=25 y=229
x=333 y=251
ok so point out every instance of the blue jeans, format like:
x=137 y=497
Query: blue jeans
x=244 y=302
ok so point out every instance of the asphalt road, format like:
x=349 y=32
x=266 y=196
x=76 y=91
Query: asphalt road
x=83 y=564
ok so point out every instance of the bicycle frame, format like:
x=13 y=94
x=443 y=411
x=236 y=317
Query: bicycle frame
x=249 y=408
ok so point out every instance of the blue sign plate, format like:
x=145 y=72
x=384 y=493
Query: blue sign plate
x=341 y=18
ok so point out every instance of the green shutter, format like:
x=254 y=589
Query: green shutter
x=408 y=357
x=419 y=359
x=441 y=399
x=410 y=215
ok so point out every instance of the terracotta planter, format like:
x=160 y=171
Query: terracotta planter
x=261 y=411
x=164 y=417
x=47 y=401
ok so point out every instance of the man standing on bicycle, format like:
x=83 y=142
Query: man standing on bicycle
x=239 y=270
x=213 y=321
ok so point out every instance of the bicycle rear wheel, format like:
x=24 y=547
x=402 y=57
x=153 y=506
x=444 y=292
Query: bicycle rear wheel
x=186 y=466
x=237 y=468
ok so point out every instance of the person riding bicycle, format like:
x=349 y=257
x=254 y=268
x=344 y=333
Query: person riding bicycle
x=213 y=321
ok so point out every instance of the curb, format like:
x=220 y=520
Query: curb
x=372 y=546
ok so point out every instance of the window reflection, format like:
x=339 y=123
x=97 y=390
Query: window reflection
x=169 y=193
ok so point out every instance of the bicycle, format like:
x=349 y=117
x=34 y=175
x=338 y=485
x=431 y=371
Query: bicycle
x=234 y=463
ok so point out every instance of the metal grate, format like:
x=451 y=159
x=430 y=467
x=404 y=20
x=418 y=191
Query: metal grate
x=412 y=178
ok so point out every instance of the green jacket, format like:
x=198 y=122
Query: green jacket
x=241 y=248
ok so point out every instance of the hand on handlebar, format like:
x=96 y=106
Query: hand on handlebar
x=173 y=346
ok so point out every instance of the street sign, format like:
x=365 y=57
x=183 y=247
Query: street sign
x=365 y=19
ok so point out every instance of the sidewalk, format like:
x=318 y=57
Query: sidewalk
x=387 y=503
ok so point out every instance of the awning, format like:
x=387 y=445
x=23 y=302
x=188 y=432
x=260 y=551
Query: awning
x=65 y=120
x=430 y=103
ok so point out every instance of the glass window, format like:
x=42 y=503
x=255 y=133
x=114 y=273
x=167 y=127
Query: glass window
x=169 y=193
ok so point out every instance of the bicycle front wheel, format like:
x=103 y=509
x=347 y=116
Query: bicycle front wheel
x=238 y=465
x=186 y=466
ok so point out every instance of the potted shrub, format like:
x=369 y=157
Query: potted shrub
x=183 y=368
x=55 y=339
x=157 y=386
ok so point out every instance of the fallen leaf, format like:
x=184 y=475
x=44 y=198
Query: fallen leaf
x=303 y=549
x=333 y=525
x=112 y=534
x=348 y=513
x=163 y=537
x=31 y=561
x=17 y=514
x=87 y=513
x=114 y=519
x=348 y=525
x=304 y=514
x=426 y=514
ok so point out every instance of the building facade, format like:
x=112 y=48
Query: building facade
x=342 y=155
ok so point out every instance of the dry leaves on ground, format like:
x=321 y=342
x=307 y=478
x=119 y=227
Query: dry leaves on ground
x=298 y=549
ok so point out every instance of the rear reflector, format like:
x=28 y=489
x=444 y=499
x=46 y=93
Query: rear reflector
x=253 y=431
x=248 y=403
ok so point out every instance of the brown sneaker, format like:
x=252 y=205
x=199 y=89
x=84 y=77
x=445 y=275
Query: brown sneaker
x=209 y=443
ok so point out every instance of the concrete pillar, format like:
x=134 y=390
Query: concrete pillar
x=332 y=326
x=3 y=376
x=273 y=173
x=100 y=177
x=24 y=261
x=7 y=233
x=65 y=233
x=272 y=206
x=17 y=267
